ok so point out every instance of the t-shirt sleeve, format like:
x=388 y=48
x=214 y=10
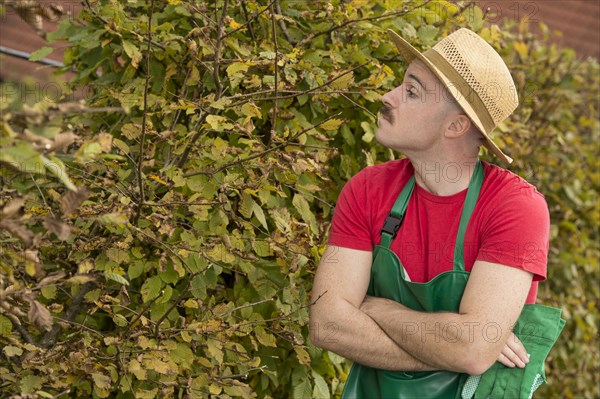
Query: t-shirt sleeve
x=518 y=234
x=350 y=227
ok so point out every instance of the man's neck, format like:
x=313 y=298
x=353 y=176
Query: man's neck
x=444 y=177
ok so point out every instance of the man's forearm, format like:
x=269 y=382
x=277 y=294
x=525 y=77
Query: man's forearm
x=358 y=338
x=444 y=340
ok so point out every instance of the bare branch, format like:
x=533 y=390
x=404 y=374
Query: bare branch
x=243 y=375
x=282 y=23
x=220 y=37
x=140 y=163
x=275 y=61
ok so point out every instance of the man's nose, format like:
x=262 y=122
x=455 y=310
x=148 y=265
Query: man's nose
x=391 y=99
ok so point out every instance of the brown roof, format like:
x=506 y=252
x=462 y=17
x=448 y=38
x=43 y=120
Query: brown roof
x=578 y=20
x=16 y=34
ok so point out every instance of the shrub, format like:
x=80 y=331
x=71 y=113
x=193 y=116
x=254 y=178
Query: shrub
x=160 y=238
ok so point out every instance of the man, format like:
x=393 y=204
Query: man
x=424 y=278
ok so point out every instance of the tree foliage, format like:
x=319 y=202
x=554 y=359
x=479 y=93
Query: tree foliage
x=159 y=239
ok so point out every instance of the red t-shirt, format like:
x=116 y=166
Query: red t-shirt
x=510 y=224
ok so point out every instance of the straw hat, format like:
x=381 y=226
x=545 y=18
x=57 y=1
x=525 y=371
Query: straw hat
x=475 y=76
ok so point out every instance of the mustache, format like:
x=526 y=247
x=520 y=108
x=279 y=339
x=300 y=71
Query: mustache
x=386 y=113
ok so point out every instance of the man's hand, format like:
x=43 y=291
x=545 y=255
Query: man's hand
x=514 y=353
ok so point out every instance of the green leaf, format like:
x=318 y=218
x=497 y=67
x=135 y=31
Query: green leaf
x=132 y=52
x=260 y=215
x=23 y=158
x=5 y=326
x=302 y=390
x=116 y=277
x=58 y=169
x=151 y=288
x=40 y=54
x=321 y=389
x=49 y=291
x=198 y=287
x=303 y=209
x=30 y=383
x=182 y=355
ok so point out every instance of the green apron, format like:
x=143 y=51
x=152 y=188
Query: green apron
x=442 y=294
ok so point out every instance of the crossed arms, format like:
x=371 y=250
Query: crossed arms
x=384 y=334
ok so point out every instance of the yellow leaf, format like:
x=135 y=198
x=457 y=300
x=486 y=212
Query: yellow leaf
x=251 y=109
x=303 y=356
x=332 y=124
x=214 y=389
x=343 y=82
x=237 y=68
x=218 y=123
x=101 y=381
x=521 y=49
x=157 y=178
x=136 y=369
x=233 y=24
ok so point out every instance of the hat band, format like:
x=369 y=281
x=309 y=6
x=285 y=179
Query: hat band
x=463 y=88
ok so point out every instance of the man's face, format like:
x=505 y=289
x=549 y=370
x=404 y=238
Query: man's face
x=415 y=114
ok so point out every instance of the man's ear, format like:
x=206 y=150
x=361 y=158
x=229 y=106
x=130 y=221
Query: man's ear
x=459 y=126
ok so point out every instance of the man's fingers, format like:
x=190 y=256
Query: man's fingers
x=517 y=348
x=514 y=353
x=505 y=360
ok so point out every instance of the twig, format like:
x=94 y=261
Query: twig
x=282 y=23
x=246 y=306
x=163 y=244
x=263 y=153
x=196 y=136
x=173 y=305
x=49 y=339
x=80 y=325
x=140 y=163
x=248 y=21
x=217 y=79
x=319 y=297
x=358 y=105
x=105 y=22
x=182 y=95
x=141 y=313
x=218 y=84
x=19 y=327
x=243 y=375
x=41 y=194
x=66 y=109
x=274 y=115
x=95 y=13
x=58 y=395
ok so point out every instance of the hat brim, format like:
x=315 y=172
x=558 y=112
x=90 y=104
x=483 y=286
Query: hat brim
x=409 y=53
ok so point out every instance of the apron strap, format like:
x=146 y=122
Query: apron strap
x=396 y=217
x=467 y=211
